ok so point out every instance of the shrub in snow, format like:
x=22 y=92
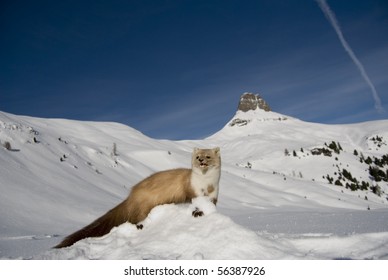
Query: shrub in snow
x=335 y=147
x=376 y=190
x=338 y=183
x=330 y=179
x=368 y=160
x=319 y=151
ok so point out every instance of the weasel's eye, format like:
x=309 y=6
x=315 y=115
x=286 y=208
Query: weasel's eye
x=197 y=157
x=208 y=157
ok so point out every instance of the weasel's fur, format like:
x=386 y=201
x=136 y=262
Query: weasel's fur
x=170 y=186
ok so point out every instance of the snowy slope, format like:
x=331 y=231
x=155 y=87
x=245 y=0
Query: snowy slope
x=59 y=175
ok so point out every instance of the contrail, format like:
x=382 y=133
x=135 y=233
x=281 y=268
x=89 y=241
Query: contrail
x=333 y=21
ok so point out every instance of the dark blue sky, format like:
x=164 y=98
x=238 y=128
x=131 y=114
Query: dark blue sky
x=176 y=69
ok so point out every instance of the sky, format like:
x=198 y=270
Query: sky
x=176 y=69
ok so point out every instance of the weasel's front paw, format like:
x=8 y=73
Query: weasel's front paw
x=139 y=226
x=197 y=213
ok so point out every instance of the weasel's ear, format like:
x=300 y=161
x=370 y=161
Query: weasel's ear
x=196 y=149
x=217 y=150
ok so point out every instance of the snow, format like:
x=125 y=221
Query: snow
x=270 y=206
x=184 y=238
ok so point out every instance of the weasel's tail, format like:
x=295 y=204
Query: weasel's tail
x=99 y=227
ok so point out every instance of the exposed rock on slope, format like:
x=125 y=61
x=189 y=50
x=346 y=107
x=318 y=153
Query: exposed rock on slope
x=250 y=101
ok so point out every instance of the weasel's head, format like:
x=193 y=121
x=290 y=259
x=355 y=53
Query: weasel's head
x=205 y=159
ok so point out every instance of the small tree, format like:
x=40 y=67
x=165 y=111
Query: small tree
x=338 y=183
x=334 y=147
x=330 y=179
x=374 y=172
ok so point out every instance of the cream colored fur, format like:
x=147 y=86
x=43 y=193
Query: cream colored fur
x=170 y=186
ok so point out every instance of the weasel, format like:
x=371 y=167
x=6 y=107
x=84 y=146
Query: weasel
x=170 y=186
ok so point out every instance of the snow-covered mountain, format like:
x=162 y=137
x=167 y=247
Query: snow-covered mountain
x=280 y=191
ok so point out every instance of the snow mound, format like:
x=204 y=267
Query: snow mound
x=171 y=232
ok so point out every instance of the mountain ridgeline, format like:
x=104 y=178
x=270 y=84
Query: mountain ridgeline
x=99 y=158
x=58 y=175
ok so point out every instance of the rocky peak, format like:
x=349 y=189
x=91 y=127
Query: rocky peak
x=250 y=101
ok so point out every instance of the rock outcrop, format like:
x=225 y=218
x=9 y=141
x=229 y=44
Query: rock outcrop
x=250 y=101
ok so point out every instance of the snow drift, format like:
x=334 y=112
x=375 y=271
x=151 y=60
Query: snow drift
x=170 y=232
